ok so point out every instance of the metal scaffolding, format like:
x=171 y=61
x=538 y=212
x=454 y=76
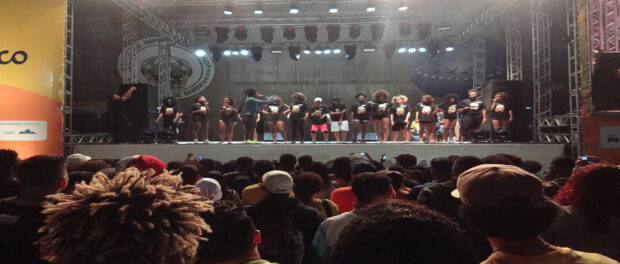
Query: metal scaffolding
x=164 y=67
x=128 y=66
x=479 y=71
x=541 y=64
x=514 y=68
x=574 y=80
x=604 y=29
x=67 y=108
x=495 y=10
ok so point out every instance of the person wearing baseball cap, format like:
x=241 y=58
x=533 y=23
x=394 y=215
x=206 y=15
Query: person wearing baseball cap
x=508 y=205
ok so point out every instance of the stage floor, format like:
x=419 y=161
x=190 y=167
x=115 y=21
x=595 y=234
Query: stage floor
x=542 y=153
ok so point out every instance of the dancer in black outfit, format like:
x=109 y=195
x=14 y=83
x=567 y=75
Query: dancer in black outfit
x=501 y=113
x=450 y=107
x=228 y=119
x=426 y=115
x=360 y=114
x=274 y=114
x=170 y=114
x=474 y=114
x=200 y=110
x=119 y=119
x=399 y=117
x=298 y=116
x=381 y=115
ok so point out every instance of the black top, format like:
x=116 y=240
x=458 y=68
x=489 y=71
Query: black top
x=18 y=230
x=337 y=108
x=118 y=113
x=381 y=110
x=315 y=115
x=500 y=112
x=425 y=113
x=450 y=110
x=198 y=116
x=400 y=113
x=298 y=111
x=275 y=112
x=360 y=111
x=475 y=107
x=169 y=112
x=228 y=114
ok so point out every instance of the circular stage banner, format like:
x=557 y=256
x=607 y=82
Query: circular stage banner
x=189 y=74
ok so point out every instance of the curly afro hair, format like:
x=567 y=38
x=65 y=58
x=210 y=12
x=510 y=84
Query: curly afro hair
x=381 y=93
x=299 y=97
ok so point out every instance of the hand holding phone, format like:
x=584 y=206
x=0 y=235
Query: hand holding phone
x=199 y=157
x=363 y=153
x=384 y=157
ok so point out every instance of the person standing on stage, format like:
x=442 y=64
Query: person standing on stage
x=339 y=123
x=381 y=115
x=298 y=115
x=274 y=114
x=450 y=107
x=228 y=119
x=501 y=112
x=399 y=117
x=319 y=115
x=360 y=114
x=170 y=113
x=200 y=110
x=252 y=104
x=119 y=120
x=474 y=114
x=426 y=115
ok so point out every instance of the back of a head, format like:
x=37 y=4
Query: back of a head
x=531 y=166
x=464 y=163
x=229 y=166
x=402 y=232
x=209 y=164
x=441 y=168
x=396 y=177
x=359 y=166
x=263 y=166
x=321 y=169
x=41 y=171
x=342 y=168
x=189 y=174
x=406 y=160
x=514 y=159
x=496 y=159
x=561 y=167
x=304 y=161
x=245 y=164
x=232 y=235
x=174 y=165
x=287 y=162
x=367 y=185
x=306 y=185
x=8 y=161
x=93 y=166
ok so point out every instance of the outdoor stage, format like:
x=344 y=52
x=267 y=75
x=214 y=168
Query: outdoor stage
x=542 y=153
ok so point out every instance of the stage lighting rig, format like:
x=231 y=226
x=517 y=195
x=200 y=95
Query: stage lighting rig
x=402 y=6
x=228 y=10
x=389 y=50
x=241 y=33
x=266 y=34
x=350 y=51
x=200 y=52
x=258 y=10
x=289 y=33
x=333 y=8
x=424 y=30
x=311 y=32
x=354 y=31
x=216 y=53
x=377 y=31
x=371 y=7
x=404 y=30
x=222 y=34
x=294 y=9
x=293 y=52
x=333 y=32
x=257 y=52
x=307 y=51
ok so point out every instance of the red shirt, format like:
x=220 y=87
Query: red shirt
x=344 y=198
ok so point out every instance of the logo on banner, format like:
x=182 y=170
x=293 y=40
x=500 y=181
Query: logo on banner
x=189 y=74
x=17 y=57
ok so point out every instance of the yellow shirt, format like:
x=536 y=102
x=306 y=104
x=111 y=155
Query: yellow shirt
x=254 y=193
x=560 y=256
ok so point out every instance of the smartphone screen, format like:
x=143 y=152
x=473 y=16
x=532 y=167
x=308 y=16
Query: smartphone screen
x=363 y=153
x=384 y=157
x=584 y=158
x=199 y=157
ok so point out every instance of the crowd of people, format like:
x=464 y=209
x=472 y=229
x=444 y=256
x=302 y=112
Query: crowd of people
x=461 y=209
x=390 y=117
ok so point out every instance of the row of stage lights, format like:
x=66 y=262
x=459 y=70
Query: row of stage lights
x=333 y=8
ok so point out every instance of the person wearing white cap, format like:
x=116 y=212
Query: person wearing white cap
x=76 y=158
x=319 y=117
x=210 y=189
x=508 y=205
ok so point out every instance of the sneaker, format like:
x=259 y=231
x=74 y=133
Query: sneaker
x=248 y=142
x=195 y=141
x=206 y=142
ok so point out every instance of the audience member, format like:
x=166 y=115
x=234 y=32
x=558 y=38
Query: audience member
x=131 y=218
x=341 y=169
x=92 y=166
x=303 y=161
x=9 y=186
x=591 y=219
x=369 y=188
x=20 y=216
x=255 y=192
x=306 y=185
x=441 y=170
x=497 y=159
x=210 y=189
x=76 y=159
x=189 y=174
x=121 y=165
x=145 y=162
x=397 y=183
x=402 y=232
x=228 y=193
x=532 y=167
x=287 y=162
x=286 y=224
x=557 y=174
x=322 y=170
x=508 y=205
x=344 y=197
x=76 y=177
x=407 y=161
x=234 y=238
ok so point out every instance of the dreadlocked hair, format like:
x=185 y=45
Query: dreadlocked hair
x=132 y=218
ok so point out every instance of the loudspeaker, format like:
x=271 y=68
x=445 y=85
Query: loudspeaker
x=606 y=82
x=141 y=108
x=520 y=98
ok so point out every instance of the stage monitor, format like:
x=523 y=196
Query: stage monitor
x=606 y=83
x=520 y=98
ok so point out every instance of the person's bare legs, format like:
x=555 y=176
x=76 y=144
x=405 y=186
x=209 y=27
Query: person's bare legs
x=195 y=128
x=394 y=136
x=280 y=126
x=386 y=129
x=446 y=130
x=364 y=126
x=325 y=136
x=378 y=129
x=431 y=132
x=222 y=130
x=274 y=134
x=452 y=128
x=406 y=135
x=337 y=136
x=205 y=129
x=313 y=135
x=356 y=129
x=229 y=131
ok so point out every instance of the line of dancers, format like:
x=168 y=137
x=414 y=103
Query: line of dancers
x=390 y=117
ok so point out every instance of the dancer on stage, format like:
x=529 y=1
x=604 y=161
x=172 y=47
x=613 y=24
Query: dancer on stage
x=298 y=116
x=426 y=115
x=252 y=104
x=339 y=123
x=399 y=117
x=360 y=114
x=381 y=115
x=200 y=110
x=119 y=119
x=170 y=113
x=274 y=114
x=228 y=119
x=450 y=107
x=474 y=114
x=501 y=112
x=319 y=116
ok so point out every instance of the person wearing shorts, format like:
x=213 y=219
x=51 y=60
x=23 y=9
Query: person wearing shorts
x=450 y=107
x=228 y=119
x=426 y=114
x=252 y=104
x=319 y=117
x=298 y=116
x=399 y=117
x=339 y=124
x=274 y=114
x=200 y=110
x=381 y=115
x=360 y=114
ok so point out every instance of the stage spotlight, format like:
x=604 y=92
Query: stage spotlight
x=404 y=30
x=277 y=50
x=235 y=53
x=402 y=50
x=216 y=53
x=266 y=34
x=350 y=51
x=241 y=33
x=422 y=49
x=257 y=52
x=228 y=10
x=327 y=51
x=244 y=52
x=402 y=6
x=371 y=7
x=294 y=9
x=307 y=51
x=449 y=49
x=337 y=51
x=333 y=32
x=318 y=52
x=227 y=53
x=354 y=31
x=289 y=33
x=200 y=53
x=411 y=50
x=258 y=10
x=333 y=8
x=310 y=32
x=389 y=50
x=424 y=31
x=222 y=34
x=369 y=49
x=293 y=52
x=377 y=31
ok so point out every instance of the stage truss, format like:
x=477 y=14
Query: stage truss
x=67 y=108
